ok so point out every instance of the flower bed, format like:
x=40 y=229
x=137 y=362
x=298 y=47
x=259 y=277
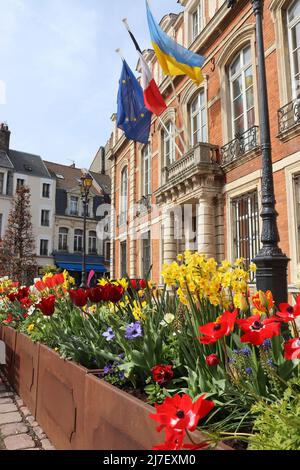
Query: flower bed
x=211 y=355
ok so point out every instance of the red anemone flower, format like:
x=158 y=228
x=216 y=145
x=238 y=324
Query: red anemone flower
x=174 y=441
x=180 y=413
x=47 y=305
x=292 y=349
x=216 y=330
x=257 y=330
x=162 y=374
x=288 y=313
x=79 y=297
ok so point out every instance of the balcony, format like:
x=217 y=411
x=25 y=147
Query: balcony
x=242 y=145
x=289 y=120
x=185 y=174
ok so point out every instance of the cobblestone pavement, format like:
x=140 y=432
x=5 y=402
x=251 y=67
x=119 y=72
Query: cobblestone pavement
x=18 y=428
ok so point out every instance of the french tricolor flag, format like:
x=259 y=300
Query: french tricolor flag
x=152 y=96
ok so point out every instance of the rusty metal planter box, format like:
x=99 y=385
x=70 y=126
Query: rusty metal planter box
x=26 y=370
x=60 y=400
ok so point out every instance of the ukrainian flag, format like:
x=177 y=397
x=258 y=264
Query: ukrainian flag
x=174 y=58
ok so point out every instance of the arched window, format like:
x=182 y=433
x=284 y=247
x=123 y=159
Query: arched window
x=63 y=239
x=124 y=191
x=92 y=243
x=242 y=92
x=198 y=121
x=168 y=144
x=146 y=171
x=293 y=18
x=78 y=241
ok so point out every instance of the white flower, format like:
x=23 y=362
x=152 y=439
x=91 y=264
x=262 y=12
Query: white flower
x=168 y=319
x=31 y=310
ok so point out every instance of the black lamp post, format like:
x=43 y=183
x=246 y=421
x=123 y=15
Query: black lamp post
x=270 y=261
x=85 y=186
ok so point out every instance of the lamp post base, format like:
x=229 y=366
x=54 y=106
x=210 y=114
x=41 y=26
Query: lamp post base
x=271 y=273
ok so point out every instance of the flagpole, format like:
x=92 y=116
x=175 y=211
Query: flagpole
x=118 y=51
x=185 y=144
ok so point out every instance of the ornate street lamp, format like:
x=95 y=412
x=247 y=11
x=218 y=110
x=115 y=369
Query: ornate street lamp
x=85 y=186
x=270 y=261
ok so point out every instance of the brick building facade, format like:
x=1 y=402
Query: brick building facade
x=203 y=192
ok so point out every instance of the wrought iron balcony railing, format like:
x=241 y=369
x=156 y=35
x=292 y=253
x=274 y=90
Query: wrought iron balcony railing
x=242 y=144
x=289 y=116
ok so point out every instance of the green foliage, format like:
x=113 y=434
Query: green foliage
x=277 y=426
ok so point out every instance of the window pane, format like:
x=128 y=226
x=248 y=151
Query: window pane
x=247 y=55
x=237 y=87
x=251 y=118
x=294 y=11
x=239 y=125
x=296 y=36
x=238 y=107
x=249 y=77
x=236 y=66
x=250 y=98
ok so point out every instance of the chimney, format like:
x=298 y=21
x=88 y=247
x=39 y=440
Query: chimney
x=102 y=161
x=4 y=137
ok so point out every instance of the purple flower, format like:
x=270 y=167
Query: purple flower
x=107 y=369
x=270 y=362
x=133 y=331
x=109 y=335
x=245 y=352
x=248 y=371
x=267 y=345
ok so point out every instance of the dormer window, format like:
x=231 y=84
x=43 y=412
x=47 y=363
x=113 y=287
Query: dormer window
x=196 y=22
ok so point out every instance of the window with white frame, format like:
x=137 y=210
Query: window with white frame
x=198 y=120
x=63 y=239
x=242 y=92
x=293 y=18
x=297 y=210
x=45 y=218
x=246 y=234
x=78 y=241
x=123 y=257
x=92 y=243
x=1 y=183
x=196 y=17
x=46 y=190
x=74 y=203
x=146 y=253
x=44 y=247
x=124 y=194
x=169 y=144
x=1 y=223
x=107 y=251
x=146 y=171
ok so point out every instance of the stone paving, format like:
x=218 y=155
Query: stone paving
x=18 y=428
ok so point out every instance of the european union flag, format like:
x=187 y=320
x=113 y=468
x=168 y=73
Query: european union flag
x=133 y=117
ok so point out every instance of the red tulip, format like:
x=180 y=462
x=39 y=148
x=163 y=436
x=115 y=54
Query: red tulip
x=79 y=297
x=96 y=295
x=212 y=360
x=115 y=293
x=162 y=374
x=47 y=305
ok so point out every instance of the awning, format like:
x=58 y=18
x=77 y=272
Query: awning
x=98 y=268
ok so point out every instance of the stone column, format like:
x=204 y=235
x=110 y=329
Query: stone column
x=206 y=225
x=169 y=241
x=220 y=238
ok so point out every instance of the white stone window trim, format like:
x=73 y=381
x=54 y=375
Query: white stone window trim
x=146 y=156
x=290 y=25
x=201 y=108
x=38 y=250
x=187 y=98
x=245 y=36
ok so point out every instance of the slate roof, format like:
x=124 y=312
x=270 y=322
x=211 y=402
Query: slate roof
x=28 y=164
x=5 y=161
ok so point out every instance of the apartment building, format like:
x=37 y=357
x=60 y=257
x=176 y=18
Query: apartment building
x=19 y=169
x=210 y=174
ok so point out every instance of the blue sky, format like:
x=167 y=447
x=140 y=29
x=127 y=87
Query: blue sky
x=61 y=72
